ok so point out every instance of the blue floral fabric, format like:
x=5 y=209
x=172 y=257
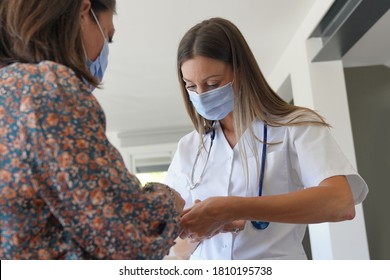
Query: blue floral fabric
x=64 y=190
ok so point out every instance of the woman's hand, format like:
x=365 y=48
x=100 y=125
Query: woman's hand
x=234 y=227
x=206 y=218
x=179 y=201
x=183 y=248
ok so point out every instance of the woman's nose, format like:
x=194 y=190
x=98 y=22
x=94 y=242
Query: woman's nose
x=200 y=90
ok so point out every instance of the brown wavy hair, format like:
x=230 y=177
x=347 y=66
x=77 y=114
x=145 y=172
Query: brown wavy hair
x=36 y=30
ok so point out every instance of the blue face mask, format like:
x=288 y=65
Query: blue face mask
x=99 y=65
x=214 y=104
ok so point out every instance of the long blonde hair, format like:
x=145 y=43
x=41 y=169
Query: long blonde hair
x=220 y=39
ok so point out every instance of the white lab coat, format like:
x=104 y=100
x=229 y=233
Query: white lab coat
x=306 y=156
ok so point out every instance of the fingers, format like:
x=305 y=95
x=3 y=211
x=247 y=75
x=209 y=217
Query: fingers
x=234 y=227
x=199 y=235
x=194 y=235
x=232 y=230
x=200 y=226
x=179 y=201
x=193 y=238
x=184 y=234
x=185 y=211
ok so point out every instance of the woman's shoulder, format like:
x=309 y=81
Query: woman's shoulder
x=191 y=138
x=45 y=74
x=300 y=116
x=37 y=68
x=48 y=66
x=295 y=125
x=46 y=71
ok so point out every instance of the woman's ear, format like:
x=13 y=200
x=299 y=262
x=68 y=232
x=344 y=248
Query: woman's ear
x=85 y=8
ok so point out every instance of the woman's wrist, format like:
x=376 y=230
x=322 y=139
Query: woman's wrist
x=151 y=186
x=234 y=211
x=171 y=193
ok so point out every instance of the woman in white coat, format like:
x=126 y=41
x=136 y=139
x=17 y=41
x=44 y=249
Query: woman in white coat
x=256 y=170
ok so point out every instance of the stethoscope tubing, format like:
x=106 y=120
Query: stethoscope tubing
x=257 y=224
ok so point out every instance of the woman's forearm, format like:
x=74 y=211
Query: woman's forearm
x=330 y=202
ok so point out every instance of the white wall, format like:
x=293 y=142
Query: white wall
x=321 y=86
x=369 y=102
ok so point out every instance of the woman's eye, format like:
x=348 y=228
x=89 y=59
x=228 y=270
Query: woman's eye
x=190 y=87
x=213 y=86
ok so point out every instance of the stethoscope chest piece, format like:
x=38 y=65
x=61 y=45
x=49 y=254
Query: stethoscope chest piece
x=260 y=225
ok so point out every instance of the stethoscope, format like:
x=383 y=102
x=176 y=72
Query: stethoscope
x=257 y=224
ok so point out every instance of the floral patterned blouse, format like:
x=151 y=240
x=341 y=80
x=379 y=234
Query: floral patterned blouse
x=64 y=190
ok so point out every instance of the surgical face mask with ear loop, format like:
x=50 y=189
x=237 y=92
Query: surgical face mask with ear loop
x=99 y=65
x=215 y=104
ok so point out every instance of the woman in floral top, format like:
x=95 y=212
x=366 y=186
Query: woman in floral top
x=64 y=190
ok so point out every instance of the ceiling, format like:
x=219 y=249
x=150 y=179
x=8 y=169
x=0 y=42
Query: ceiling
x=141 y=92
